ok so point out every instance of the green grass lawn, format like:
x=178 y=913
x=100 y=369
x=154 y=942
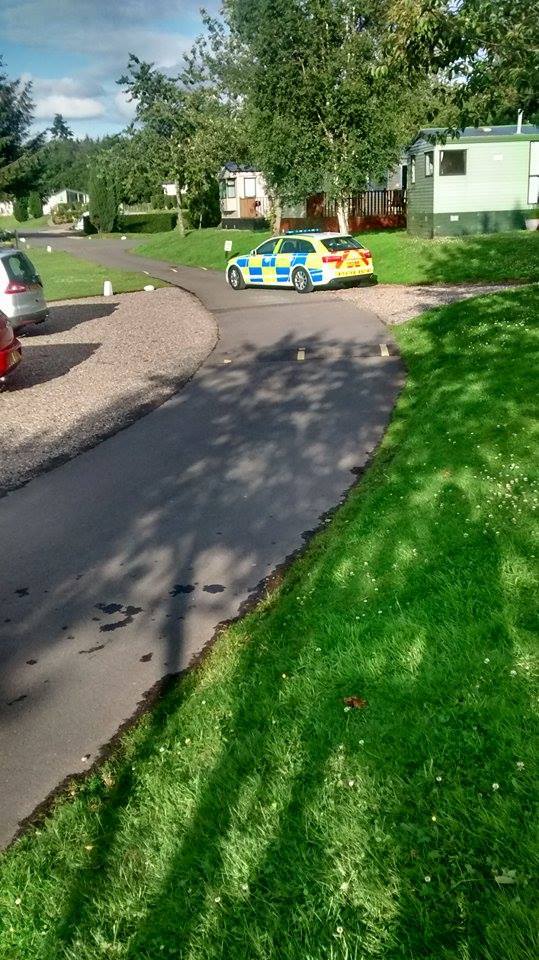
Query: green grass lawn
x=252 y=816
x=65 y=277
x=398 y=258
x=34 y=223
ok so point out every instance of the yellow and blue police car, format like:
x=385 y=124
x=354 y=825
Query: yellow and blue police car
x=302 y=260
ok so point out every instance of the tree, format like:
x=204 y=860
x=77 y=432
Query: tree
x=18 y=151
x=158 y=200
x=20 y=209
x=35 y=206
x=59 y=129
x=483 y=54
x=67 y=163
x=103 y=197
x=186 y=129
x=160 y=106
x=326 y=108
x=203 y=206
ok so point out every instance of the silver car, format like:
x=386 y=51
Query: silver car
x=21 y=289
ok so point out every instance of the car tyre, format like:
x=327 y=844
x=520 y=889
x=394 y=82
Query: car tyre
x=302 y=280
x=235 y=279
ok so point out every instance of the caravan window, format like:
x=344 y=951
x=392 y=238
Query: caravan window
x=452 y=163
x=231 y=189
x=249 y=186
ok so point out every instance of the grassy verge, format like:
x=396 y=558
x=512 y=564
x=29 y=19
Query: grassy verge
x=398 y=258
x=65 y=277
x=252 y=816
x=34 y=223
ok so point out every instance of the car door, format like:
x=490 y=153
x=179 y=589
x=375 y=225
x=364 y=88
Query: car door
x=294 y=251
x=261 y=263
x=286 y=253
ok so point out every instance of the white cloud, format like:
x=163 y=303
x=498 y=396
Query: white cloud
x=90 y=41
x=81 y=86
x=125 y=107
x=102 y=31
x=71 y=108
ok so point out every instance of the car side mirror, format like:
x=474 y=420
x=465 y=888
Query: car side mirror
x=251 y=252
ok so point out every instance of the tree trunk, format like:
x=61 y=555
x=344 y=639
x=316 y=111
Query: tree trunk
x=275 y=215
x=180 y=223
x=342 y=216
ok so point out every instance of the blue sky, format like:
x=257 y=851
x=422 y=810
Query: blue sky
x=74 y=51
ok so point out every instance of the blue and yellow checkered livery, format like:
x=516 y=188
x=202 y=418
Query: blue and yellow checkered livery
x=301 y=260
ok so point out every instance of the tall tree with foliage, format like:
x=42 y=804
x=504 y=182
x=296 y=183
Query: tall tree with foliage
x=59 y=129
x=104 y=196
x=161 y=111
x=184 y=126
x=17 y=150
x=68 y=163
x=484 y=53
x=326 y=108
x=35 y=206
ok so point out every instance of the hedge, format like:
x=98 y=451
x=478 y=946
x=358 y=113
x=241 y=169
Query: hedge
x=147 y=222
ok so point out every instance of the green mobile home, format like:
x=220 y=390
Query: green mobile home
x=484 y=181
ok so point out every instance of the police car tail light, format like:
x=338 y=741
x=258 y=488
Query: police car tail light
x=366 y=254
x=332 y=258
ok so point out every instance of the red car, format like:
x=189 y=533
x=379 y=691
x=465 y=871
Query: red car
x=10 y=349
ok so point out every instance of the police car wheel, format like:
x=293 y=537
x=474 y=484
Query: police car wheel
x=235 y=279
x=302 y=281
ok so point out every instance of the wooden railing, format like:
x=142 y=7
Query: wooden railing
x=371 y=203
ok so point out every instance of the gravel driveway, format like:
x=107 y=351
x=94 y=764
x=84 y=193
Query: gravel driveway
x=95 y=366
x=396 y=303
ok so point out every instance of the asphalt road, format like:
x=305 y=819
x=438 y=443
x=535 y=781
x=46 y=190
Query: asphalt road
x=118 y=566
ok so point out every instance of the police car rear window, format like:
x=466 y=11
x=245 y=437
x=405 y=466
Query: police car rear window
x=341 y=243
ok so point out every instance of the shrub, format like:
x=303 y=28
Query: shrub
x=170 y=203
x=67 y=212
x=20 y=209
x=158 y=201
x=147 y=222
x=203 y=208
x=103 y=202
x=87 y=225
x=35 y=207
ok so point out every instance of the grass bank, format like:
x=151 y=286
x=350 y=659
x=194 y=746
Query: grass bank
x=255 y=816
x=65 y=277
x=34 y=223
x=398 y=258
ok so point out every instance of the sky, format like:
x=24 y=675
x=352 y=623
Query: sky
x=73 y=51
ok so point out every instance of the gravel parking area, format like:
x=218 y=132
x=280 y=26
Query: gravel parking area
x=96 y=365
x=397 y=303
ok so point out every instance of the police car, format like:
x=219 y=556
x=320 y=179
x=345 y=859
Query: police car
x=303 y=260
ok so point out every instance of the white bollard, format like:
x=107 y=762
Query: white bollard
x=107 y=288
x=148 y=288
x=49 y=248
